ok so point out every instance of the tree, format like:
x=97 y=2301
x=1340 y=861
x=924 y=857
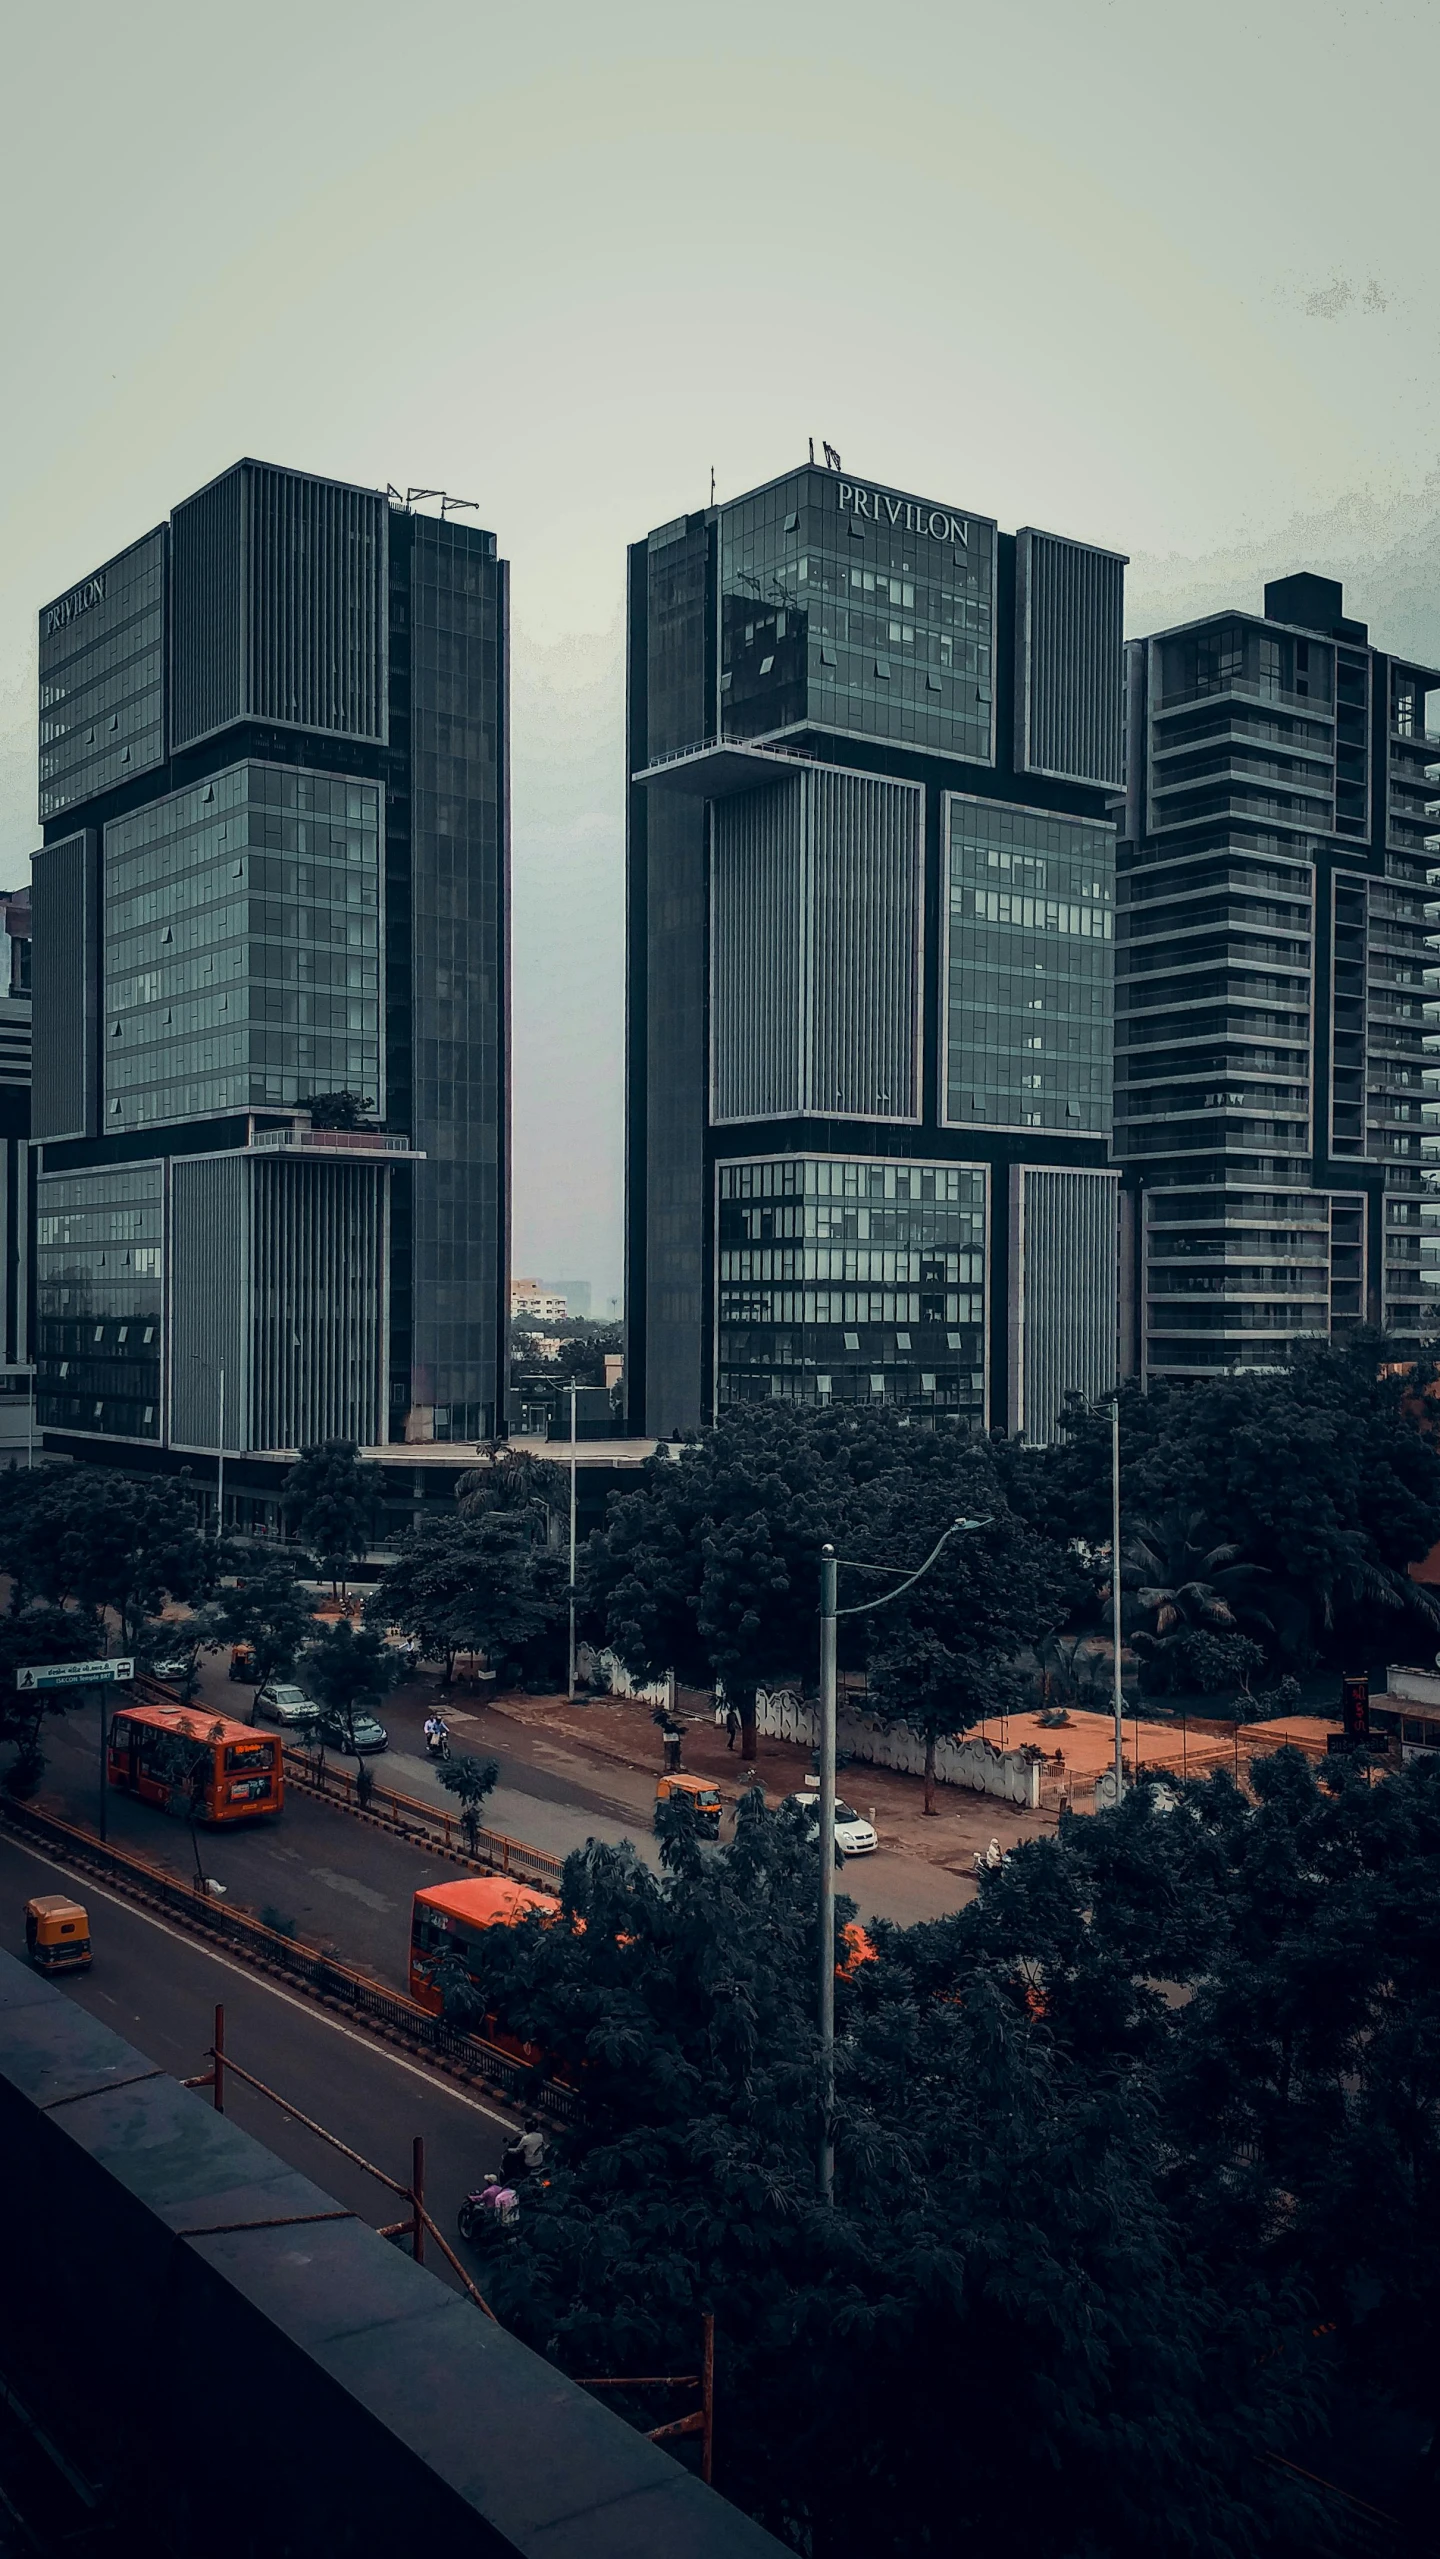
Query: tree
x=38 y=1632
x=473 y=1780
x=711 y=1568
x=1200 y=1596
x=105 y=1541
x=265 y=1607
x=529 y=1490
x=1003 y=2238
x=346 y=1673
x=944 y=1655
x=342 y=1110
x=328 y=1501
x=473 y=1584
x=1325 y=1473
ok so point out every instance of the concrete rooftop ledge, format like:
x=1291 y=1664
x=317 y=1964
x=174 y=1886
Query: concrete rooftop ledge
x=158 y=2239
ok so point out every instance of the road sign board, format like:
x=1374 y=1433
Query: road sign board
x=73 y=1674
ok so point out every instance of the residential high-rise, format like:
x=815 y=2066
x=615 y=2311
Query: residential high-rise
x=274 y=792
x=1280 y=830
x=872 y=746
x=17 y=1180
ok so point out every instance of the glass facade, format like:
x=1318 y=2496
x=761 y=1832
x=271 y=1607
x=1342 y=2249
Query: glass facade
x=1029 y=969
x=102 y=679
x=241 y=932
x=852 y=1281
x=459 y=982
x=99 y=1242
x=859 y=610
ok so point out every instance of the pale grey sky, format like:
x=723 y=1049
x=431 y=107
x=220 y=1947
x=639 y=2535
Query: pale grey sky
x=1156 y=276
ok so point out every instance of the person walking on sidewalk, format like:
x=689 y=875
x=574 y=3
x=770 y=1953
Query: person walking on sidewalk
x=732 y=1725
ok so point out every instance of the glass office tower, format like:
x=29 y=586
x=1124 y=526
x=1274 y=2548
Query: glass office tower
x=273 y=783
x=873 y=743
x=1275 y=959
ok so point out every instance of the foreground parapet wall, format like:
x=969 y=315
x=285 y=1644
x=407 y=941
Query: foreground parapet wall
x=253 y=2372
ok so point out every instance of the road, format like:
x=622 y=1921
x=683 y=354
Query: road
x=343 y=1885
x=159 y=1990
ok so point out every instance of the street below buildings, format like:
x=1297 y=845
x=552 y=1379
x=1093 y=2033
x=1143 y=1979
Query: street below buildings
x=159 y=1989
x=346 y=1885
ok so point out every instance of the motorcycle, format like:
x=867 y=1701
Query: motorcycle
x=437 y=1745
x=496 y=2200
x=491 y=2205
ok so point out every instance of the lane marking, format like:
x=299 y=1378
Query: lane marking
x=380 y=2052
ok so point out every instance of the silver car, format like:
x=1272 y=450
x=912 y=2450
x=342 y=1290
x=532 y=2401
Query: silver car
x=283 y=1703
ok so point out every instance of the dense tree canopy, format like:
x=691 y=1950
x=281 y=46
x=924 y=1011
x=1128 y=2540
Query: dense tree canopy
x=1324 y=1475
x=99 y=1539
x=1137 y=2183
x=711 y=1567
x=329 y=1502
x=478 y=1583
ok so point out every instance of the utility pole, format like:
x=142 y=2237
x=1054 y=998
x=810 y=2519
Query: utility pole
x=220 y=1467
x=573 y=1392
x=1115 y=1595
x=828 y=1574
x=829 y=1568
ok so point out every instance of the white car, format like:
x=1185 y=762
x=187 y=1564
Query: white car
x=853 y=1837
x=283 y=1703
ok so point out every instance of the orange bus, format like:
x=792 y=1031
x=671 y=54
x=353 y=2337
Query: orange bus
x=448 y=1919
x=231 y=1772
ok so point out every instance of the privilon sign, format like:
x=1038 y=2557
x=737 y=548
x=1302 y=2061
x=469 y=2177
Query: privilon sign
x=911 y=513
x=79 y=600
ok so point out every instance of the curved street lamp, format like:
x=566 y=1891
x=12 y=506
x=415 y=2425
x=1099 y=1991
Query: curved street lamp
x=829 y=1570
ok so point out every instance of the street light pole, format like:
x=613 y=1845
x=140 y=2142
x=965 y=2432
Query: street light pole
x=1115 y=1596
x=220 y=1467
x=828 y=1576
x=573 y=1392
x=829 y=1569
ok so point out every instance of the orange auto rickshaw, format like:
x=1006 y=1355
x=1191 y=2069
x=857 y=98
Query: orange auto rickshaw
x=702 y=1798
x=57 y=1933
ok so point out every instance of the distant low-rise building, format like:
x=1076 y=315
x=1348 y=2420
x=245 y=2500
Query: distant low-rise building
x=529 y=1297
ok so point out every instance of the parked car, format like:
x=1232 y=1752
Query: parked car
x=853 y=1836
x=281 y=1702
x=363 y=1733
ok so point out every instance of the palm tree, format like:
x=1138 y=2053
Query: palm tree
x=1191 y=1586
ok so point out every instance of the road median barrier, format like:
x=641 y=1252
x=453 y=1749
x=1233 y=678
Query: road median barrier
x=426 y=1826
x=387 y=2014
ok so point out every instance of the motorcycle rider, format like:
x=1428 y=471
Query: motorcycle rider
x=437 y=1733
x=524 y=2153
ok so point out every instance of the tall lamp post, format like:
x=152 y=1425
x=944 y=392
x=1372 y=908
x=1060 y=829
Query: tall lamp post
x=573 y=1392
x=1115 y=1596
x=829 y=1569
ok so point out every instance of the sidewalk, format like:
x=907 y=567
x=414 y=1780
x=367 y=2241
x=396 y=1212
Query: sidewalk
x=621 y=1730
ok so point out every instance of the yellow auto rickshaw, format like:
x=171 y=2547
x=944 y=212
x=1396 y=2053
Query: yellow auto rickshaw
x=702 y=1798
x=57 y=1933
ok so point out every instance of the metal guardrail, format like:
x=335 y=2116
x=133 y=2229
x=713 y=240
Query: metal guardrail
x=425 y=1825
x=389 y=2012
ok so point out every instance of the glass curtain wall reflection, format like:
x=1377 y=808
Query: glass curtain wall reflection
x=99 y=1240
x=1030 y=1001
x=866 y=624
x=241 y=947
x=846 y=1281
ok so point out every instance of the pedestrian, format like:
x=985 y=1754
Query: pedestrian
x=994 y=1855
x=732 y=1725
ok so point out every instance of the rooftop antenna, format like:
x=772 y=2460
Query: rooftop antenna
x=414 y=497
x=712 y=484
x=812 y=448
